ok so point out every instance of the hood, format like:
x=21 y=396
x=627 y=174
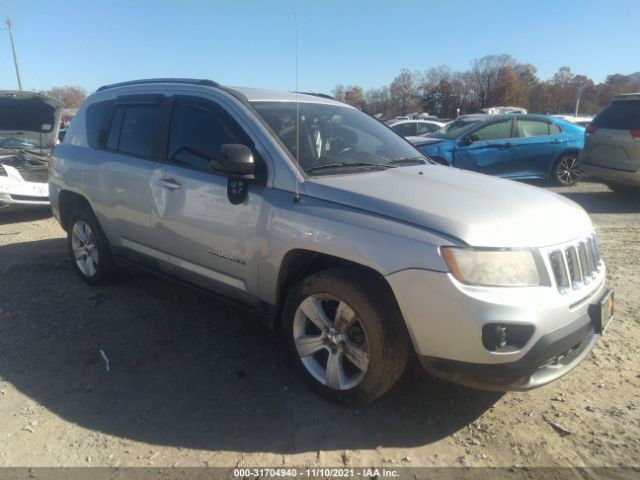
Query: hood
x=425 y=141
x=31 y=117
x=480 y=210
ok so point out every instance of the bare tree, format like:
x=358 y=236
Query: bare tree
x=484 y=75
x=72 y=97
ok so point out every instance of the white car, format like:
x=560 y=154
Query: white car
x=582 y=120
x=415 y=128
x=29 y=124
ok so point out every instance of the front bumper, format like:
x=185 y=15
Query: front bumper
x=554 y=355
x=445 y=320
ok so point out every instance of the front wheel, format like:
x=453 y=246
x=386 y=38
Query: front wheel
x=346 y=335
x=565 y=170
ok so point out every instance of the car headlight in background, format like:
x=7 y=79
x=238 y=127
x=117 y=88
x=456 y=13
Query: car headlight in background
x=492 y=267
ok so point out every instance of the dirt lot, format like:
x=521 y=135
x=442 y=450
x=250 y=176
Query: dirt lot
x=194 y=382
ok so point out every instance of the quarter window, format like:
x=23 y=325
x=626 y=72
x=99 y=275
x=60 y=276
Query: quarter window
x=495 y=131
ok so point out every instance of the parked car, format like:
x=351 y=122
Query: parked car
x=409 y=128
x=612 y=145
x=582 y=120
x=509 y=146
x=335 y=230
x=28 y=131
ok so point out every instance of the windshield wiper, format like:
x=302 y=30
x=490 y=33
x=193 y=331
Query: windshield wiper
x=343 y=164
x=408 y=161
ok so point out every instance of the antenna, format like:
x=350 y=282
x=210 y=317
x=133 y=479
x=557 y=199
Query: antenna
x=296 y=197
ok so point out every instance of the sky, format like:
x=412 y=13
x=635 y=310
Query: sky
x=89 y=43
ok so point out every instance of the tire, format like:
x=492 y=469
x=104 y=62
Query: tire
x=89 y=250
x=363 y=336
x=565 y=171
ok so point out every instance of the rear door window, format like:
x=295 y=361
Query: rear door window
x=423 y=128
x=533 y=128
x=624 y=115
x=134 y=129
x=139 y=128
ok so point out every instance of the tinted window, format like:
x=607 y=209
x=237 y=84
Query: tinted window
x=114 y=129
x=138 y=129
x=405 y=129
x=96 y=119
x=425 y=128
x=533 y=128
x=495 y=131
x=623 y=115
x=554 y=129
x=197 y=134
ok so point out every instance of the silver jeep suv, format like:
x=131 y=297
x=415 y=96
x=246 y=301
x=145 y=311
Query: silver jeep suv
x=336 y=230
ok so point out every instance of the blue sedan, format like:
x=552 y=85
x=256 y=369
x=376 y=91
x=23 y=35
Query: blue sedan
x=509 y=146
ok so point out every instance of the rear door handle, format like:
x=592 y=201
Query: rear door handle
x=168 y=183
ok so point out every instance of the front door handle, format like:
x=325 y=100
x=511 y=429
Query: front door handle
x=556 y=141
x=168 y=183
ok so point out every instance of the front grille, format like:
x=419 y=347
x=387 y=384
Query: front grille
x=576 y=265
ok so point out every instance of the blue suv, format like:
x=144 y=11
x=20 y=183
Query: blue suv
x=509 y=146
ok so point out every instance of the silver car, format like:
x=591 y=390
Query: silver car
x=612 y=144
x=336 y=230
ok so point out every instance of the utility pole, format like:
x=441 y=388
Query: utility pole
x=13 y=46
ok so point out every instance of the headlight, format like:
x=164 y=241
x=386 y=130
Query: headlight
x=495 y=268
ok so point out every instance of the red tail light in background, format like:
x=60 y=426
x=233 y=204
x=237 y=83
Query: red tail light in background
x=636 y=135
x=591 y=129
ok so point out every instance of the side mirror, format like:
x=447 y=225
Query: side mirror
x=235 y=159
x=469 y=139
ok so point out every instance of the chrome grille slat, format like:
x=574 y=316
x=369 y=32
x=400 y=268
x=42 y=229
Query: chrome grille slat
x=577 y=264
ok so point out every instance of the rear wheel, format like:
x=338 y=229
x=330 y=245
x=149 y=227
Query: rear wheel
x=346 y=336
x=565 y=170
x=89 y=249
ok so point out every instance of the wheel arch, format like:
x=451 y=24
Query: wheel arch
x=568 y=151
x=69 y=202
x=300 y=263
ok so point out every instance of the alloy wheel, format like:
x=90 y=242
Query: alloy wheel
x=331 y=341
x=568 y=172
x=85 y=248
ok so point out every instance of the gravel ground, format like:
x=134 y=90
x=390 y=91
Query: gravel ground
x=194 y=382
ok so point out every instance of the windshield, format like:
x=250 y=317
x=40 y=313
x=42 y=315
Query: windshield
x=333 y=138
x=18 y=142
x=455 y=128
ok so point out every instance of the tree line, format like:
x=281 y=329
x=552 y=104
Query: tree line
x=492 y=80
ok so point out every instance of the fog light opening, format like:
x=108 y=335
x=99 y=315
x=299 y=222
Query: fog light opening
x=503 y=338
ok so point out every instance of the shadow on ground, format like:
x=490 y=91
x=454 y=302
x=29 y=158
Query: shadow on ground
x=187 y=370
x=605 y=202
x=18 y=214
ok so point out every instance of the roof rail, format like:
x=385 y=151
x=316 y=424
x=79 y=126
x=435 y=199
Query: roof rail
x=321 y=95
x=191 y=81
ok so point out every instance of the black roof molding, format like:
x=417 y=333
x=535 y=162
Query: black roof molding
x=189 y=81
x=186 y=81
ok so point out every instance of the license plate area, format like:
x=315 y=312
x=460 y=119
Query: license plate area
x=602 y=312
